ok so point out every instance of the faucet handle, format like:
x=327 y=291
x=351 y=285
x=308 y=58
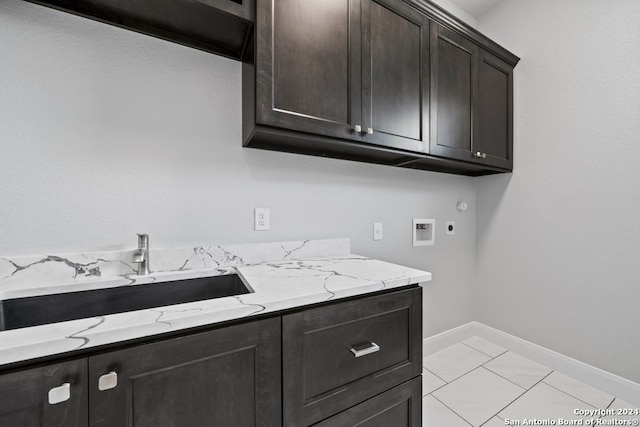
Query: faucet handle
x=143 y=241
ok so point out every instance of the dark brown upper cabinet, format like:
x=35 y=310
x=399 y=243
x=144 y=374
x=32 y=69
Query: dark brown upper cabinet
x=494 y=133
x=471 y=102
x=454 y=70
x=395 y=109
x=308 y=66
x=396 y=82
x=349 y=74
x=223 y=27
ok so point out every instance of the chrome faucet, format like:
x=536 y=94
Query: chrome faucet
x=141 y=255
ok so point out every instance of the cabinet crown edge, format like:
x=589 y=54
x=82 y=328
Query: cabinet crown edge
x=443 y=17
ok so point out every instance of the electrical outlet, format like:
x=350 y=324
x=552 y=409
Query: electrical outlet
x=262 y=219
x=450 y=228
x=377 y=231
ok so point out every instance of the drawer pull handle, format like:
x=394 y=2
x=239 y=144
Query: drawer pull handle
x=372 y=348
x=108 y=381
x=60 y=394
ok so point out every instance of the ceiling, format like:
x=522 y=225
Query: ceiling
x=475 y=8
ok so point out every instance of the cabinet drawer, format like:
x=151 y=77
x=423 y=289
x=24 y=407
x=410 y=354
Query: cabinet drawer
x=400 y=407
x=339 y=355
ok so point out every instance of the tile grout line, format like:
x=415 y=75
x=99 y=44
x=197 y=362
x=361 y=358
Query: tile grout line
x=513 y=382
x=608 y=406
x=470 y=346
x=468 y=372
x=427 y=369
x=550 y=385
x=525 y=392
x=432 y=391
x=575 y=397
x=504 y=378
x=445 y=405
x=485 y=423
x=545 y=377
x=524 y=389
x=475 y=349
x=431 y=394
x=474 y=369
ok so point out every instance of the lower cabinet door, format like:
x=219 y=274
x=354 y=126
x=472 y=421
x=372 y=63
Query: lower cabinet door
x=399 y=407
x=51 y=396
x=225 y=377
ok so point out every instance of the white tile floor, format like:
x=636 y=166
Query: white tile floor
x=478 y=383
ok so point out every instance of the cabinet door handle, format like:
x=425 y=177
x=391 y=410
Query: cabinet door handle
x=484 y=155
x=60 y=394
x=370 y=131
x=357 y=128
x=372 y=348
x=108 y=381
x=477 y=154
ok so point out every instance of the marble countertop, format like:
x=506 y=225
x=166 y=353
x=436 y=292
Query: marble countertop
x=277 y=285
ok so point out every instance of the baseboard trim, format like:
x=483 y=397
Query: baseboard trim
x=613 y=384
x=445 y=339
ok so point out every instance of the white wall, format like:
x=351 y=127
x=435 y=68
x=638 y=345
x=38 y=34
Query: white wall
x=457 y=11
x=559 y=240
x=105 y=133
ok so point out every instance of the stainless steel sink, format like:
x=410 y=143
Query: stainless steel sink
x=39 y=310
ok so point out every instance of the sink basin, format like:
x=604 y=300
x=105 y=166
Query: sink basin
x=39 y=310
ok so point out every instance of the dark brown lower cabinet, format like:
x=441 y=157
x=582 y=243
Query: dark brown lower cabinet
x=338 y=356
x=49 y=396
x=345 y=363
x=224 y=377
x=399 y=407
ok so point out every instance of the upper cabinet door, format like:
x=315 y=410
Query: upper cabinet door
x=453 y=94
x=308 y=66
x=495 y=112
x=395 y=42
